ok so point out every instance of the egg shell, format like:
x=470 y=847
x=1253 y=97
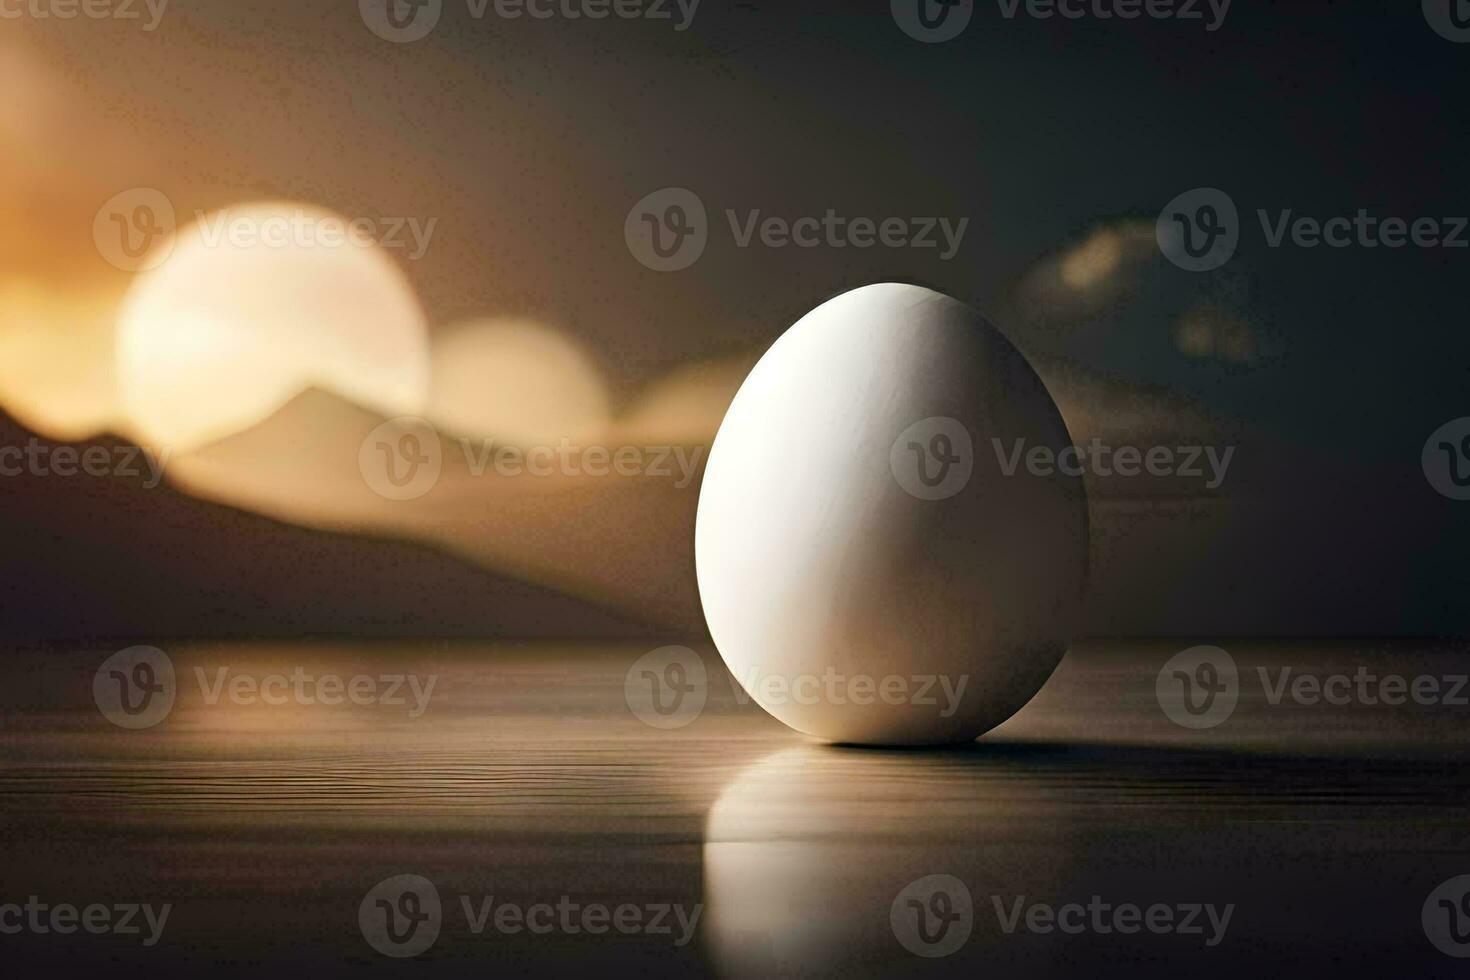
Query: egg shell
x=869 y=569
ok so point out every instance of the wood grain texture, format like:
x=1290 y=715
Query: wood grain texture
x=528 y=778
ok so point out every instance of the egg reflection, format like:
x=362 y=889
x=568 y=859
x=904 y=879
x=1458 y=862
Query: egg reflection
x=821 y=860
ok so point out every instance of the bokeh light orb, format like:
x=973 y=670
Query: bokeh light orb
x=255 y=303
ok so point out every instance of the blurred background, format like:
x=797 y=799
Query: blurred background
x=492 y=165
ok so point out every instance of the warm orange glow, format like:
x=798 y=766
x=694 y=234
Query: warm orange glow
x=516 y=382
x=227 y=330
x=56 y=360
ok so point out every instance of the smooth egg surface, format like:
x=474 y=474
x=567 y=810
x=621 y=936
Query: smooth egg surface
x=876 y=559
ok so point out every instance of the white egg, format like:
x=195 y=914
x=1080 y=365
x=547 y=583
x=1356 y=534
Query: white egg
x=878 y=561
